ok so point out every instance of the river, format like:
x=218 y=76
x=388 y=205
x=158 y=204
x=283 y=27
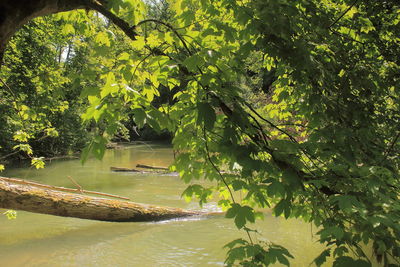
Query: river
x=44 y=240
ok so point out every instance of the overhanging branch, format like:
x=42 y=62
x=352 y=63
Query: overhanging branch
x=14 y=14
x=122 y=24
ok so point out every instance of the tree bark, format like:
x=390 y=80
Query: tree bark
x=15 y=13
x=47 y=201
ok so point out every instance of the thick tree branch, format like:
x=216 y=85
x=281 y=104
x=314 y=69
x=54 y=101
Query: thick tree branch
x=15 y=13
x=122 y=24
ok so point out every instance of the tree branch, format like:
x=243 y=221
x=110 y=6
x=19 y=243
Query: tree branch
x=344 y=13
x=391 y=146
x=169 y=27
x=122 y=24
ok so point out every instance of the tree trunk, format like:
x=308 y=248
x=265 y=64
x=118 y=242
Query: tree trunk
x=47 y=201
x=15 y=13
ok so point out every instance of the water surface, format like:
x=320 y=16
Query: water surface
x=44 y=240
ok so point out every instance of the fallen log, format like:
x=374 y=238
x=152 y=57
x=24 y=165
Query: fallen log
x=37 y=199
x=157 y=172
x=123 y=169
x=151 y=167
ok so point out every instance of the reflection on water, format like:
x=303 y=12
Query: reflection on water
x=44 y=240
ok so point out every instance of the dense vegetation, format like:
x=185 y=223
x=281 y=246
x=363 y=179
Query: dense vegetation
x=40 y=100
x=293 y=103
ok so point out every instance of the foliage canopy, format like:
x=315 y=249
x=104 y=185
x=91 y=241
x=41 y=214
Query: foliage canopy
x=293 y=103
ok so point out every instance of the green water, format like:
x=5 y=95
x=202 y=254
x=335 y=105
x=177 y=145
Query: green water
x=43 y=240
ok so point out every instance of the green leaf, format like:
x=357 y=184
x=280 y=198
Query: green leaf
x=235 y=242
x=238 y=185
x=193 y=62
x=86 y=152
x=38 y=163
x=124 y=56
x=283 y=260
x=282 y=207
x=346 y=203
x=10 y=214
x=232 y=212
x=21 y=136
x=24 y=147
x=240 y=220
x=276 y=189
x=291 y=177
x=242 y=214
x=99 y=147
x=206 y=115
x=346 y=261
x=108 y=89
x=248 y=212
x=103 y=39
x=139 y=117
x=68 y=29
x=337 y=232
x=322 y=257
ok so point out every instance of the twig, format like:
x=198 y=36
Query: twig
x=310 y=157
x=223 y=179
x=169 y=27
x=271 y=123
x=73 y=181
x=215 y=167
x=346 y=37
x=20 y=181
x=10 y=154
x=391 y=146
x=344 y=13
x=8 y=88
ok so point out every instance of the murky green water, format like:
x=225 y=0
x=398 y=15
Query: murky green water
x=43 y=240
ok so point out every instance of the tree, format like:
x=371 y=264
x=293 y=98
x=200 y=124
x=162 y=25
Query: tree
x=323 y=147
x=39 y=90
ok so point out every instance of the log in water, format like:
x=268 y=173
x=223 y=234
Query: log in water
x=122 y=169
x=49 y=201
x=151 y=167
